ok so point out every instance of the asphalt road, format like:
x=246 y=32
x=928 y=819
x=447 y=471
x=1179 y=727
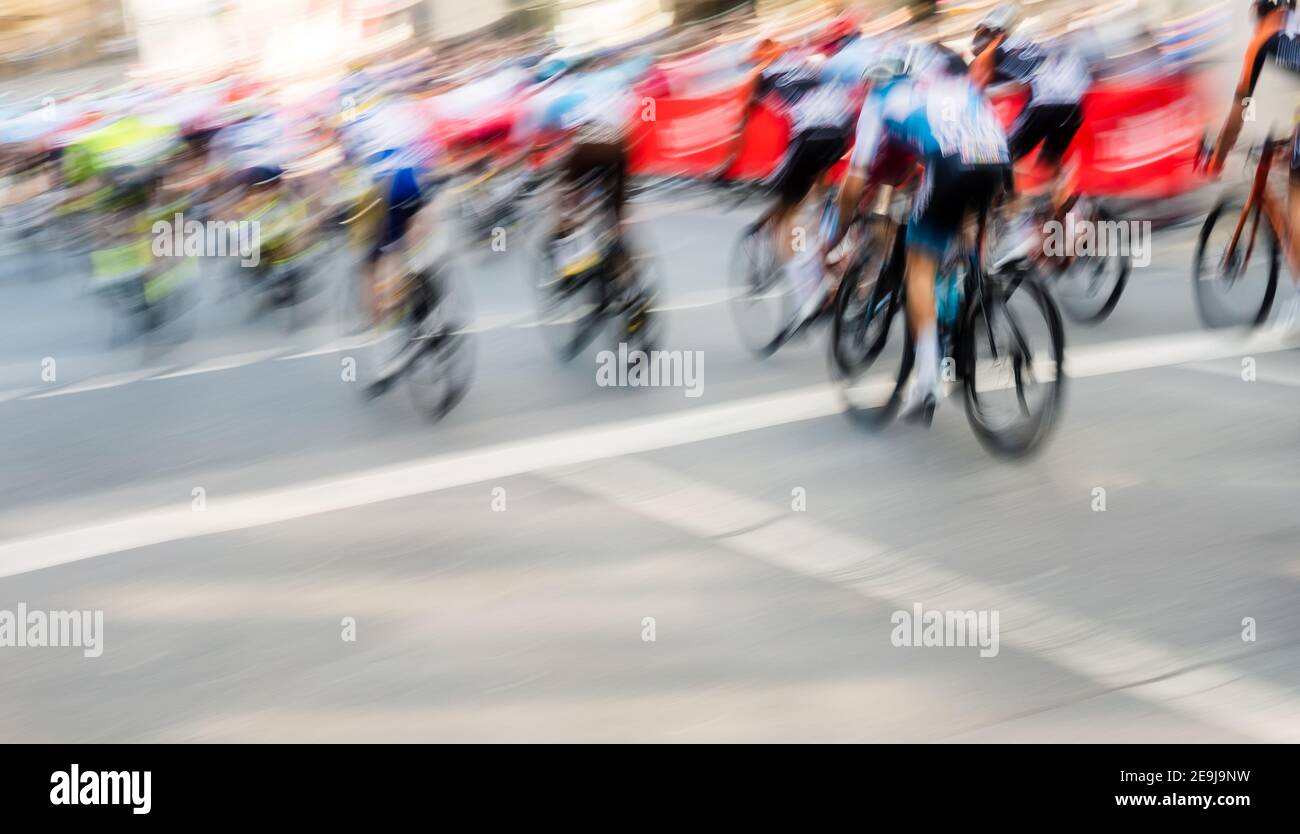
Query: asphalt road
x=505 y=569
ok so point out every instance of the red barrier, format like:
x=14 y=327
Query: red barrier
x=1138 y=139
x=677 y=136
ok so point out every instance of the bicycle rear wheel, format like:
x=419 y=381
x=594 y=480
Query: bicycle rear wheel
x=865 y=337
x=572 y=308
x=440 y=376
x=1012 y=354
x=1090 y=288
x=1236 y=291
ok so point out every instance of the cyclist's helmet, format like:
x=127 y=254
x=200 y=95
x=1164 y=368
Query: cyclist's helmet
x=894 y=60
x=1265 y=7
x=1000 y=21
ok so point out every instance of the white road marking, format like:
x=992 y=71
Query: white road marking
x=589 y=443
x=99 y=383
x=16 y=394
x=1215 y=694
x=1267 y=376
x=1112 y=357
x=223 y=363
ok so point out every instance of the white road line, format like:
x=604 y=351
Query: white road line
x=223 y=363
x=1111 y=357
x=1163 y=351
x=237 y=512
x=16 y=394
x=693 y=425
x=1215 y=694
x=1269 y=377
x=99 y=383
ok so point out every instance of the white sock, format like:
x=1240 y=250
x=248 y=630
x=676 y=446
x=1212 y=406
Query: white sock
x=927 y=359
x=806 y=273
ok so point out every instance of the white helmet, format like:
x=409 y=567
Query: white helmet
x=1001 y=19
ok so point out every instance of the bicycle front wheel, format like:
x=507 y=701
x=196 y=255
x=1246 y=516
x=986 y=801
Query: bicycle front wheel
x=1235 y=289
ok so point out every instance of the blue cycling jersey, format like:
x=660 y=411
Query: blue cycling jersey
x=945 y=118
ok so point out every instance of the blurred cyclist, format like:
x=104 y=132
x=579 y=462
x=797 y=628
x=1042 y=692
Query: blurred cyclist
x=1277 y=37
x=930 y=107
x=1057 y=75
x=821 y=115
x=594 y=109
x=402 y=199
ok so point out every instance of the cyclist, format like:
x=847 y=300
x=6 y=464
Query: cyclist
x=594 y=110
x=399 y=163
x=927 y=105
x=821 y=114
x=1058 y=74
x=1277 y=37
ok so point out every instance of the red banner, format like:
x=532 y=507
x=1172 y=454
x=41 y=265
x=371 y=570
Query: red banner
x=1139 y=139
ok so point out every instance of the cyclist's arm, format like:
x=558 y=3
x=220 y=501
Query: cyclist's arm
x=1264 y=44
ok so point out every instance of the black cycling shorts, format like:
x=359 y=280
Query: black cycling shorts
x=949 y=192
x=811 y=155
x=1052 y=125
x=607 y=161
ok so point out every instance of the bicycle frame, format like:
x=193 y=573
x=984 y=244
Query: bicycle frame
x=1261 y=201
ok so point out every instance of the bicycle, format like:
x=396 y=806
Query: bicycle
x=1233 y=256
x=580 y=290
x=1086 y=286
x=434 y=353
x=975 y=309
x=757 y=276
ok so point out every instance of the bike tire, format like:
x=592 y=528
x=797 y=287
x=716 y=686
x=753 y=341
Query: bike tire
x=1027 y=436
x=1209 y=305
x=746 y=288
x=1092 y=313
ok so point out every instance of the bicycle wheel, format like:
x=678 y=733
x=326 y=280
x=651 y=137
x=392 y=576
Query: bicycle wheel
x=1090 y=288
x=571 y=308
x=1236 y=291
x=1012 y=346
x=440 y=376
x=761 y=300
x=643 y=326
x=862 y=324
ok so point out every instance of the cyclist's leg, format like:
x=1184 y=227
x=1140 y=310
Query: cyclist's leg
x=793 y=185
x=1292 y=232
x=1290 y=316
x=936 y=216
x=819 y=150
x=1065 y=123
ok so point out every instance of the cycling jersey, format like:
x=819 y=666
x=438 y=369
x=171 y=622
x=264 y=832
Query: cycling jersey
x=951 y=125
x=1278 y=37
x=1057 y=72
x=946 y=118
x=810 y=101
